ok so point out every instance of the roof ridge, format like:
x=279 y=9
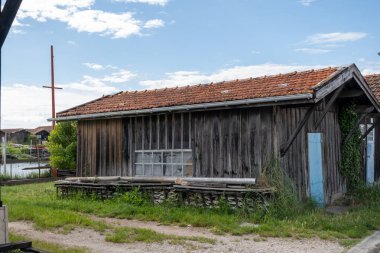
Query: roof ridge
x=226 y=81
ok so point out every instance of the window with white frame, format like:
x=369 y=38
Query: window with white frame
x=171 y=163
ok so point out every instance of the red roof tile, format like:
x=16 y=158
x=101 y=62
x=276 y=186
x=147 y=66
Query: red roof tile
x=268 y=86
x=374 y=84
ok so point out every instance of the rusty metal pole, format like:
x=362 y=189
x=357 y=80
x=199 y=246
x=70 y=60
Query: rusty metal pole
x=52 y=86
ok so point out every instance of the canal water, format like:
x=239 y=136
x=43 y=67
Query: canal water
x=17 y=169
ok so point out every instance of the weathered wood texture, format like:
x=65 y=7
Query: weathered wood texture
x=295 y=162
x=100 y=150
x=236 y=143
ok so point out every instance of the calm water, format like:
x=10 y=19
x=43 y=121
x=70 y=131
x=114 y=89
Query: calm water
x=16 y=169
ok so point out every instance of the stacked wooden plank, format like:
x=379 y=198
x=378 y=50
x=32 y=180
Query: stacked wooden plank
x=203 y=192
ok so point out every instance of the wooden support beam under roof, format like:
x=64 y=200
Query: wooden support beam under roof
x=356 y=126
x=285 y=147
x=328 y=106
x=351 y=93
x=369 y=130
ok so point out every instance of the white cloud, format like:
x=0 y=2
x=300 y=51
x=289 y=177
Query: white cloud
x=79 y=15
x=336 y=37
x=154 y=23
x=71 y=42
x=121 y=76
x=368 y=67
x=255 y=52
x=18 y=98
x=307 y=2
x=322 y=43
x=93 y=66
x=152 y=2
x=313 y=50
x=182 y=78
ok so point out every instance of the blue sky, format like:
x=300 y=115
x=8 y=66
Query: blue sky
x=105 y=46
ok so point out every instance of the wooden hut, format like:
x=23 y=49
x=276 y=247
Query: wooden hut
x=15 y=135
x=227 y=129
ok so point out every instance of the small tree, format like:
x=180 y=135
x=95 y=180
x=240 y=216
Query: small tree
x=63 y=145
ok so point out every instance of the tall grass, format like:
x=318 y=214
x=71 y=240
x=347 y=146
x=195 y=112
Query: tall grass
x=285 y=202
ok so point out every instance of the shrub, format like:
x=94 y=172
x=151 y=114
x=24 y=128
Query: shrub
x=63 y=145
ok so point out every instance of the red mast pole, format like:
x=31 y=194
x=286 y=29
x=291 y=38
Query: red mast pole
x=52 y=85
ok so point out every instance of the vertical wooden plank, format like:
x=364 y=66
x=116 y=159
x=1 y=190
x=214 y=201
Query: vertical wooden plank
x=138 y=133
x=186 y=131
x=153 y=131
x=226 y=144
x=169 y=129
x=163 y=134
x=244 y=140
x=177 y=130
x=216 y=146
x=147 y=129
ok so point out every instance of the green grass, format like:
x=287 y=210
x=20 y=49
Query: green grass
x=130 y=235
x=38 y=203
x=51 y=247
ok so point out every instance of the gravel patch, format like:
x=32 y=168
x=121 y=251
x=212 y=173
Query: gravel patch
x=96 y=243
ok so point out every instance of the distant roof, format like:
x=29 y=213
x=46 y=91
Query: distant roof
x=40 y=129
x=295 y=83
x=12 y=130
x=374 y=84
x=32 y=131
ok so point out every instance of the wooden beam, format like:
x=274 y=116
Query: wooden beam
x=354 y=128
x=285 y=147
x=351 y=93
x=7 y=16
x=369 y=130
x=366 y=109
x=328 y=106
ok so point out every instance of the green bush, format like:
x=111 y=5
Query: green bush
x=63 y=145
x=350 y=163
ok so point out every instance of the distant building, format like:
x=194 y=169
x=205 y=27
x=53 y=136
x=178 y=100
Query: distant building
x=15 y=135
x=42 y=132
x=21 y=135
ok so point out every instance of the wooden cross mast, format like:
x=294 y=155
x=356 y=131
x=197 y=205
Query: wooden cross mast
x=52 y=87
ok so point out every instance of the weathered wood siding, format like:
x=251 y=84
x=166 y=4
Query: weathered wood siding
x=295 y=163
x=225 y=143
x=100 y=149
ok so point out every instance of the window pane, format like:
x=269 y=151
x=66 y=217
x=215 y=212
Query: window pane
x=177 y=170
x=139 y=170
x=157 y=170
x=147 y=157
x=187 y=157
x=167 y=157
x=157 y=158
x=148 y=171
x=177 y=157
x=139 y=157
x=168 y=170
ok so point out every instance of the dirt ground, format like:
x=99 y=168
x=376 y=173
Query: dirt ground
x=96 y=243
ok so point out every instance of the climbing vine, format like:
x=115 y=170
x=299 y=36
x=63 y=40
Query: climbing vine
x=351 y=157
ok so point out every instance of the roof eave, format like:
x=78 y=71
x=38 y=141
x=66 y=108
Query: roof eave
x=307 y=97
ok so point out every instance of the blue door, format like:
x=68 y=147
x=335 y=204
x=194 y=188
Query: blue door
x=370 y=157
x=315 y=168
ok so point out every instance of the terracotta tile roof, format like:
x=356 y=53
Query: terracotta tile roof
x=268 y=86
x=374 y=84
